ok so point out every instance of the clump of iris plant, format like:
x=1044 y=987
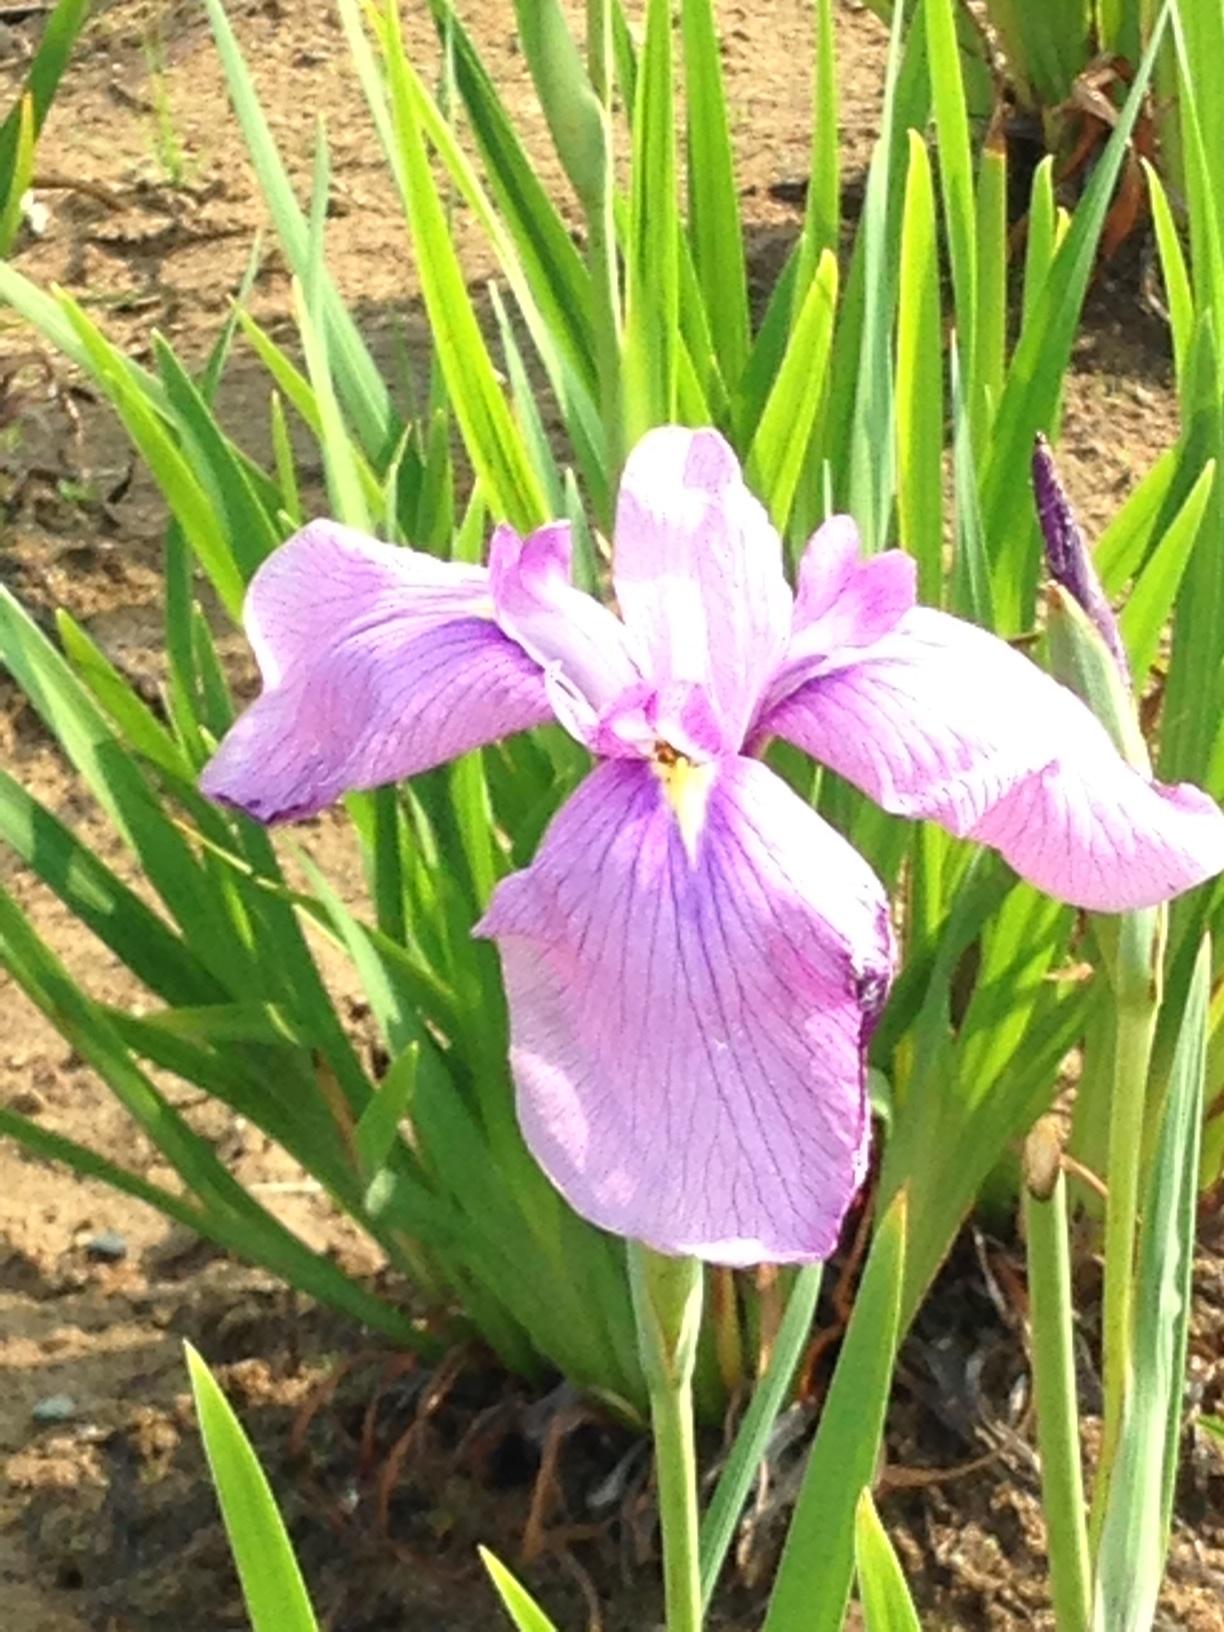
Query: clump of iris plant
x=695 y=959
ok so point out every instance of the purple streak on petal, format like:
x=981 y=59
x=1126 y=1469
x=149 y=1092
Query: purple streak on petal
x=1068 y=556
x=689 y=1011
x=843 y=604
x=942 y=720
x=697 y=568
x=583 y=648
x=377 y=663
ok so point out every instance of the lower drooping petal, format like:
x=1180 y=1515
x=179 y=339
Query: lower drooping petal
x=377 y=663
x=693 y=966
x=940 y=719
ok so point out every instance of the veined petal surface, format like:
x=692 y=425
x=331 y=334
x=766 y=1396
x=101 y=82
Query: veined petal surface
x=580 y=644
x=377 y=663
x=694 y=962
x=844 y=603
x=697 y=568
x=940 y=719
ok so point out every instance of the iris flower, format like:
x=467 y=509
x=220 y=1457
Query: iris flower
x=695 y=959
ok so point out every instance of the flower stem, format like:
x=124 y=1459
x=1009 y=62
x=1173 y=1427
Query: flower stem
x=1136 y=960
x=667 y=1294
x=1049 y=1277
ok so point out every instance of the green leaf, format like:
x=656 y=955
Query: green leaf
x=101 y=901
x=16 y=180
x=871 y=424
x=742 y=1466
x=919 y=388
x=344 y=489
x=142 y=730
x=527 y=410
x=714 y=216
x=813 y=1581
x=1038 y=365
x=652 y=311
x=1124 y=545
x=1198 y=625
x=229 y=1214
x=534 y=247
x=887 y=1605
x=59 y=30
x=271 y=1580
x=117 y=783
x=1151 y=600
x=361 y=383
x=822 y=218
x=186 y=498
x=529 y=238
x=1041 y=240
x=1178 y=293
x=989 y=337
x=955 y=166
x=780 y=446
x=379 y=1124
x=971 y=594
x=1135 y=1534
x=518 y=1603
x=575 y=117
x=251 y=532
x=490 y=435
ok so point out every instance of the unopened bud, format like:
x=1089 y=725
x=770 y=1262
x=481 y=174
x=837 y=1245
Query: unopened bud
x=1068 y=556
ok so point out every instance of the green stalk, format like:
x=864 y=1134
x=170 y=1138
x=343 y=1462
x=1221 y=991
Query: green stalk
x=1049 y=1276
x=667 y=1294
x=1134 y=961
x=1132 y=951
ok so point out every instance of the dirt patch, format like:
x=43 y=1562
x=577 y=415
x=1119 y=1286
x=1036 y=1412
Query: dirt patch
x=106 y=1518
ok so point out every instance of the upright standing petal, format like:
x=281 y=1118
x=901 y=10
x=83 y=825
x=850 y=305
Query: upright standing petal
x=844 y=603
x=943 y=720
x=377 y=663
x=693 y=963
x=697 y=568
x=582 y=647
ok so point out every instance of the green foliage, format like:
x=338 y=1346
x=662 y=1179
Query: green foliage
x=1044 y=45
x=887 y=1605
x=860 y=385
x=22 y=126
x=271 y=1580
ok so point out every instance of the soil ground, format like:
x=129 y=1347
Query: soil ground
x=107 y=1522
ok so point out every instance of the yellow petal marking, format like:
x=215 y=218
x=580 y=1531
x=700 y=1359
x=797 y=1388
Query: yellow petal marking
x=687 y=786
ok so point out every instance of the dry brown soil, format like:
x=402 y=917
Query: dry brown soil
x=106 y=1519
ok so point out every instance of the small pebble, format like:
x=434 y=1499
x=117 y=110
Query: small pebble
x=107 y=1247
x=55 y=1408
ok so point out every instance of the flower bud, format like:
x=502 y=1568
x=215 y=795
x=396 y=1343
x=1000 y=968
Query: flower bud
x=1068 y=556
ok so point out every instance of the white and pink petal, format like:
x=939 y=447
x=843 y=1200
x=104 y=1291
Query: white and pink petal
x=583 y=648
x=942 y=720
x=693 y=963
x=377 y=663
x=697 y=568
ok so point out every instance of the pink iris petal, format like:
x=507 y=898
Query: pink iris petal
x=697 y=568
x=939 y=719
x=582 y=647
x=377 y=663
x=844 y=601
x=843 y=604
x=690 y=996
